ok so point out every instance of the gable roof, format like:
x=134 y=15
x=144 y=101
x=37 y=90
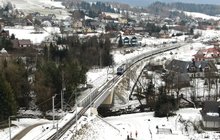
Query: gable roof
x=177 y=80
x=208 y=53
x=184 y=66
x=24 y=42
x=211 y=107
x=177 y=66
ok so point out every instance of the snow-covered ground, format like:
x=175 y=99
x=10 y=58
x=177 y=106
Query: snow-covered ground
x=29 y=32
x=200 y=15
x=142 y=126
x=43 y=6
x=120 y=126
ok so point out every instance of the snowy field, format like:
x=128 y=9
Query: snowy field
x=200 y=15
x=28 y=32
x=43 y=6
x=144 y=126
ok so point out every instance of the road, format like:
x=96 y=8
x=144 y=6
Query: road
x=25 y=131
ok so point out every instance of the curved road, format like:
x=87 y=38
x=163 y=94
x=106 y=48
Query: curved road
x=25 y=131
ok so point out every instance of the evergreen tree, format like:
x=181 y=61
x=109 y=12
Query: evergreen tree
x=16 y=75
x=164 y=27
x=165 y=104
x=48 y=83
x=107 y=57
x=120 y=42
x=8 y=105
x=191 y=31
x=12 y=36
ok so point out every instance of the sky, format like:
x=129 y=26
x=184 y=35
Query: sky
x=147 y=2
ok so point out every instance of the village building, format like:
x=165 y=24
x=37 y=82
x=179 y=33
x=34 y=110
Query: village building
x=130 y=40
x=77 y=24
x=4 y=33
x=21 y=43
x=210 y=54
x=211 y=115
x=194 y=69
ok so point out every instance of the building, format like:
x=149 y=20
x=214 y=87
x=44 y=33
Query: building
x=126 y=41
x=211 y=115
x=194 y=69
x=78 y=24
x=210 y=54
x=24 y=43
x=130 y=40
x=134 y=41
x=4 y=33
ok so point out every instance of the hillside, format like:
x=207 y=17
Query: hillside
x=159 y=8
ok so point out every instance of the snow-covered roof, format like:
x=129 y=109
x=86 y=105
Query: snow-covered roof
x=3 y=51
x=113 y=15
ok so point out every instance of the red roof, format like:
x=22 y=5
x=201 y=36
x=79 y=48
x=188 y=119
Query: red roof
x=208 y=53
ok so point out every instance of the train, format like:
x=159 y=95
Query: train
x=121 y=69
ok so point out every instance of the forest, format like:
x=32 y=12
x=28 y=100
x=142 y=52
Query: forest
x=159 y=7
x=56 y=69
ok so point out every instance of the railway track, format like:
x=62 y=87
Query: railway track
x=95 y=98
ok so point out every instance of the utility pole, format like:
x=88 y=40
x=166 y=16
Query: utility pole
x=57 y=133
x=53 y=109
x=9 y=125
x=76 y=111
x=62 y=90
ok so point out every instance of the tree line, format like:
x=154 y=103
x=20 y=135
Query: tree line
x=161 y=8
x=57 y=69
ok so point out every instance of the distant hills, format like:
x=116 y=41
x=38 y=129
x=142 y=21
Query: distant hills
x=159 y=8
x=145 y=3
x=164 y=7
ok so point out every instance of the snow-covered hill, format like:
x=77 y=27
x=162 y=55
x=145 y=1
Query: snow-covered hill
x=42 y=6
x=201 y=15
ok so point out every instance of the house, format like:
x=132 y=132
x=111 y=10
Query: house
x=4 y=33
x=113 y=16
x=130 y=40
x=139 y=29
x=134 y=41
x=129 y=31
x=122 y=20
x=211 y=115
x=126 y=41
x=210 y=54
x=25 y=43
x=194 y=69
x=164 y=34
x=78 y=24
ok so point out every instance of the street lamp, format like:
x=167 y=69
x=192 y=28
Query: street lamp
x=9 y=124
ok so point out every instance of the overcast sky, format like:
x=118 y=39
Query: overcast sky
x=147 y=2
